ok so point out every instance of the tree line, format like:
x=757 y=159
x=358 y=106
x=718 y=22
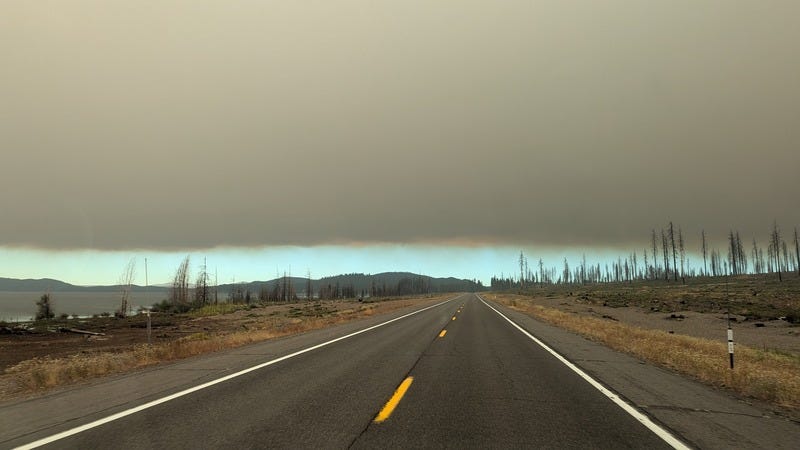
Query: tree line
x=666 y=257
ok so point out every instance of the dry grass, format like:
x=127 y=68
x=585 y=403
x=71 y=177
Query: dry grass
x=44 y=373
x=215 y=310
x=764 y=375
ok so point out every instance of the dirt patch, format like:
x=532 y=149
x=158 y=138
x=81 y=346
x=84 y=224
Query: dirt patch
x=764 y=312
x=777 y=334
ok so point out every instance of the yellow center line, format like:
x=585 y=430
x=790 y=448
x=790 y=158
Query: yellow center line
x=454 y=317
x=442 y=333
x=388 y=409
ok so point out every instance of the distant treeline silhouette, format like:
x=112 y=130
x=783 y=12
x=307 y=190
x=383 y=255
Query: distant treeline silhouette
x=666 y=259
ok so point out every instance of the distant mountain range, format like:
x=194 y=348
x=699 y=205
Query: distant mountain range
x=358 y=281
x=364 y=282
x=49 y=284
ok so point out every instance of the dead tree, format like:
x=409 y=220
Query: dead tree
x=756 y=262
x=775 y=244
x=733 y=254
x=665 y=254
x=655 y=255
x=125 y=283
x=797 y=251
x=44 y=308
x=583 y=269
x=785 y=256
x=179 y=293
x=674 y=252
x=309 y=288
x=202 y=294
x=705 y=252
x=541 y=272
x=683 y=254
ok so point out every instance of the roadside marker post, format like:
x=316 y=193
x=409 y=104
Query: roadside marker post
x=730 y=340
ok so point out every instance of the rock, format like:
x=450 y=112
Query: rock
x=759 y=325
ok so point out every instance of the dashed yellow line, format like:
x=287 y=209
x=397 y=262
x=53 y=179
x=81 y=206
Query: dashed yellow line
x=442 y=333
x=454 y=317
x=388 y=409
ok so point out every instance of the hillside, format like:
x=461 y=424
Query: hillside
x=387 y=281
x=359 y=282
x=49 y=284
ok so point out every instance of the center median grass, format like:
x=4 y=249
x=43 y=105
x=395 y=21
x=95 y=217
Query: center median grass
x=763 y=375
x=38 y=374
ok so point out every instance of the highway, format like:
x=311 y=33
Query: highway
x=473 y=381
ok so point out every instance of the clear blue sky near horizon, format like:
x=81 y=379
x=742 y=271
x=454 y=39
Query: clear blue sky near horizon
x=91 y=267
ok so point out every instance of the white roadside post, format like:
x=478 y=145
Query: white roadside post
x=730 y=341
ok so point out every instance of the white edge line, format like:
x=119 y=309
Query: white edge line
x=159 y=401
x=665 y=435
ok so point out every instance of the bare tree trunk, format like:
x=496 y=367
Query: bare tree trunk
x=201 y=292
x=665 y=254
x=309 y=293
x=179 y=294
x=674 y=252
x=125 y=282
x=705 y=252
x=683 y=254
x=775 y=237
x=797 y=251
x=655 y=255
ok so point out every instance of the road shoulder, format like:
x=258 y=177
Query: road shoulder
x=700 y=415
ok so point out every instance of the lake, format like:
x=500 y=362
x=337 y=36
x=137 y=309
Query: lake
x=21 y=306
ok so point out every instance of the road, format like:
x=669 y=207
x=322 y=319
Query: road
x=475 y=382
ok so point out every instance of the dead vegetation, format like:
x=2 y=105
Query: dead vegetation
x=764 y=375
x=209 y=329
x=756 y=297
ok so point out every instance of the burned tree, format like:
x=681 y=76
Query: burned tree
x=655 y=255
x=683 y=254
x=775 y=246
x=44 y=308
x=674 y=252
x=733 y=254
x=179 y=292
x=665 y=254
x=797 y=251
x=705 y=252
x=202 y=293
x=125 y=283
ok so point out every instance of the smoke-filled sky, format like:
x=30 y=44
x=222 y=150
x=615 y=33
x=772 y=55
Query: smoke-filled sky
x=176 y=126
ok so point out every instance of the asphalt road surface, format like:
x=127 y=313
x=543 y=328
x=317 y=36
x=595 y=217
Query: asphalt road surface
x=474 y=381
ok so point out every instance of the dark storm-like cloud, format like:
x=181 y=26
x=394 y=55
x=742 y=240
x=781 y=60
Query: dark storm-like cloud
x=566 y=124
